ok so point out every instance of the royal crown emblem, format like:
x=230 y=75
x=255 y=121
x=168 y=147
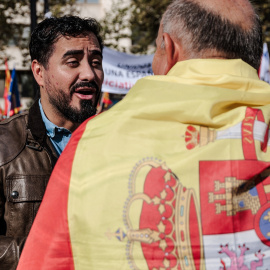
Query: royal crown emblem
x=162 y=219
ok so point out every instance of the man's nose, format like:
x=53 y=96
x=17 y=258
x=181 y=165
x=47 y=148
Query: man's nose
x=86 y=72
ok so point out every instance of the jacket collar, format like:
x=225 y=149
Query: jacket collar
x=35 y=123
x=37 y=128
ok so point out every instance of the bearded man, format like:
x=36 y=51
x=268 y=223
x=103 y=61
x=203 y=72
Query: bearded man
x=66 y=56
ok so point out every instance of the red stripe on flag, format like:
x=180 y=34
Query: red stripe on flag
x=48 y=245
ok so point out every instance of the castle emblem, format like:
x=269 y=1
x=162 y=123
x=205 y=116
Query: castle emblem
x=234 y=202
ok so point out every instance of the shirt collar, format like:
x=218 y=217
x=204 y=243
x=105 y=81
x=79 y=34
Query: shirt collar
x=51 y=128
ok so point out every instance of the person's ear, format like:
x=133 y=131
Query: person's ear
x=37 y=70
x=173 y=51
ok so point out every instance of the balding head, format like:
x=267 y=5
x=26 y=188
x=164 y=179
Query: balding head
x=239 y=12
x=215 y=29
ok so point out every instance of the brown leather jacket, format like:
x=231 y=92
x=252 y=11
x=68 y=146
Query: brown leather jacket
x=27 y=158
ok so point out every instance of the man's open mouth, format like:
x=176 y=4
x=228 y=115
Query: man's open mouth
x=85 y=92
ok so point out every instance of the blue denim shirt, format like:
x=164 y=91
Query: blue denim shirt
x=59 y=136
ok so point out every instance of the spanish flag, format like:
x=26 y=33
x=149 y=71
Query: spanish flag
x=11 y=93
x=7 y=87
x=174 y=176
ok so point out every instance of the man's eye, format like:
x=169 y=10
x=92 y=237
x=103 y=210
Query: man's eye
x=96 y=63
x=73 y=63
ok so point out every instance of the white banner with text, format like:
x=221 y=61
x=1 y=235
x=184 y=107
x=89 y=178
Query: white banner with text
x=122 y=70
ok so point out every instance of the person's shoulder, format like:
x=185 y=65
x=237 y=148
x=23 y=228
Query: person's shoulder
x=13 y=133
x=14 y=123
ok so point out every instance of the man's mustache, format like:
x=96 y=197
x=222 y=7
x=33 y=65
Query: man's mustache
x=84 y=84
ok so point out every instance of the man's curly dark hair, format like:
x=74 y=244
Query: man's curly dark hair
x=50 y=30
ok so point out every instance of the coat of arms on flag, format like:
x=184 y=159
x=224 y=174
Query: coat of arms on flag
x=227 y=222
x=235 y=204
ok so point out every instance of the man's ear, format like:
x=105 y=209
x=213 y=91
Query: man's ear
x=37 y=70
x=173 y=51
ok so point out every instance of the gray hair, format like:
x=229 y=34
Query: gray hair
x=200 y=30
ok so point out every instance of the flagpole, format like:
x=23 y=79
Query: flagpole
x=46 y=6
x=33 y=11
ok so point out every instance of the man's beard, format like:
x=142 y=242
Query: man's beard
x=62 y=103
